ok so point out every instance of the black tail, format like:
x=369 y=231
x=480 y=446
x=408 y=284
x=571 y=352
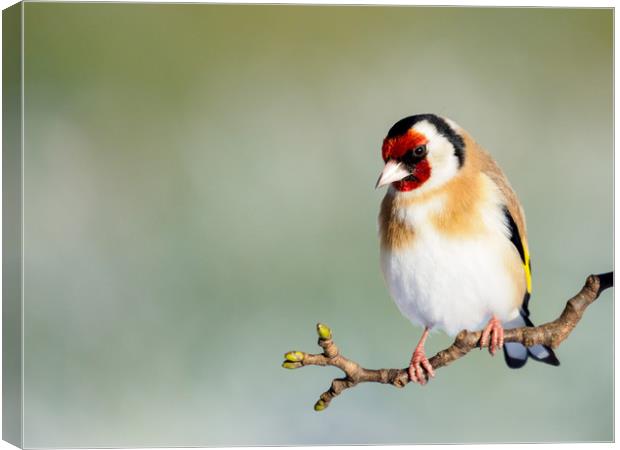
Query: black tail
x=516 y=354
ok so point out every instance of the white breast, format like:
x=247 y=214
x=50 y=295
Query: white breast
x=453 y=283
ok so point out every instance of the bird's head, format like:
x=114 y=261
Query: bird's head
x=421 y=152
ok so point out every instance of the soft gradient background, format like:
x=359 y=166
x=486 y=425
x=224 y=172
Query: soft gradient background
x=199 y=193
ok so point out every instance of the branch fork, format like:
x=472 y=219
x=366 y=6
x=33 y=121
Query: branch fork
x=551 y=334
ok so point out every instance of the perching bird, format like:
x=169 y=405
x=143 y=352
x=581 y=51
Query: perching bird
x=454 y=248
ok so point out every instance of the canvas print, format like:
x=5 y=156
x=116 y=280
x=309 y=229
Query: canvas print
x=244 y=225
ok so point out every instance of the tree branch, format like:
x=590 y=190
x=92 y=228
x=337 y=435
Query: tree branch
x=551 y=334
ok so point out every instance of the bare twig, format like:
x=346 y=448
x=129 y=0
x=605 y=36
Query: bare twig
x=551 y=334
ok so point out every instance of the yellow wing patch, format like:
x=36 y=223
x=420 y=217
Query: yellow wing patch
x=527 y=266
x=521 y=246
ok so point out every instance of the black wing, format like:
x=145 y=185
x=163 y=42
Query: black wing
x=521 y=247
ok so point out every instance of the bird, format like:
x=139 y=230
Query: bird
x=453 y=241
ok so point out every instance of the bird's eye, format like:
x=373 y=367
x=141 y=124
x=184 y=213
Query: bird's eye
x=420 y=151
x=414 y=155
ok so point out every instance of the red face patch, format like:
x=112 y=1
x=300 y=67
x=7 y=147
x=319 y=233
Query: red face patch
x=421 y=172
x=396 y=147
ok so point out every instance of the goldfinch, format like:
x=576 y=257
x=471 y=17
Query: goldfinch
x=453 y=241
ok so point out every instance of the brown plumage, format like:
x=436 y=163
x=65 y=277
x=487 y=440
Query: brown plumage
x=454 y=250
x=463 y=193
x=461 y=214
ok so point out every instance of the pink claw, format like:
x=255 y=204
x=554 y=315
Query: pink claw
x=492 y=335
x=420 y=369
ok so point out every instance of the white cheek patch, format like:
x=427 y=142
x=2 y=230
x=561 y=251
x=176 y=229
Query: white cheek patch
x=444 y=163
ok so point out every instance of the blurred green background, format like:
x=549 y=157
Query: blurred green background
x=199 y=193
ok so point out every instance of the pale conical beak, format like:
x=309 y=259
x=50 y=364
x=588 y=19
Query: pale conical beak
x=393 y=171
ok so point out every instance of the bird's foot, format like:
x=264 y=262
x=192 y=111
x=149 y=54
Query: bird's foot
x=492 y=335
x=420 y=369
